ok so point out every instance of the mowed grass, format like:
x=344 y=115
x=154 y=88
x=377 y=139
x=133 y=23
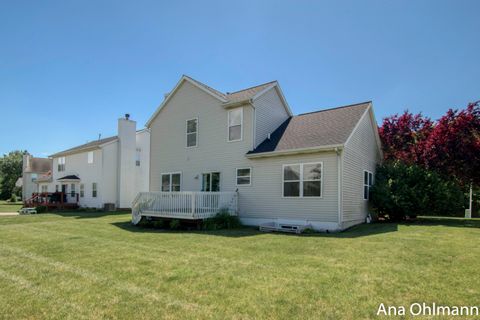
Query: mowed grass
x=10 y=207
x=96 y=266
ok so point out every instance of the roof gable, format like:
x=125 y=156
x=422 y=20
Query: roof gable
x=228 y=99
x=84 y=147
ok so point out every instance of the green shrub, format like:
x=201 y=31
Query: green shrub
x=174 y=224
x=41 y=209
x=222 y=220
x=13 y=198
x=402 y=191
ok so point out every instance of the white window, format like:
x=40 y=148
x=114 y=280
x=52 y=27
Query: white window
x=138 y=153
x=94 y=190
x=235 y=124
x=367 y=184
x=302 y=180
x=61 y=164
x=72 y=190
x=90 y=157
x=171 y=181
x=192 y=132
x=244 y=176
x=56 y=188
x=44 y=189
x=82 y=190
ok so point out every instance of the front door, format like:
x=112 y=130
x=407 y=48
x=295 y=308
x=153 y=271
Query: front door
x=211 y=182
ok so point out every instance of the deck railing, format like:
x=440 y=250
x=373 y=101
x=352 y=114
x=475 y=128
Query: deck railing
x=183 y=204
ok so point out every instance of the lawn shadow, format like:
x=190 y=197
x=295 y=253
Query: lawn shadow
x=87 y=214
x=358 y=231
x=249 y=231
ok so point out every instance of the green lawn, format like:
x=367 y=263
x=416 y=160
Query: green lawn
x=95 y=266
x=10 y=207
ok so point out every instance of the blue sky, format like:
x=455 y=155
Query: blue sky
x=69 y=69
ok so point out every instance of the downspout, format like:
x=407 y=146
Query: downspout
x=254 y=122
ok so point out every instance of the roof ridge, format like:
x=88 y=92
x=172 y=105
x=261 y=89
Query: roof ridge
x=334 y=108
x=206 y=85
x=258 y=85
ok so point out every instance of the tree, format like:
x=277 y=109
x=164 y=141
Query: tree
x=10 y=171
x=404 y=137
x=453 y=147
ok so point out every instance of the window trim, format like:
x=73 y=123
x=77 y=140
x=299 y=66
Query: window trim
x=187 y=133
x=301 y=180
x=138 y=157
x=236 y=177
x=366 y=185
x=90 y=161
x=241 y=124
x=61 y=164
x=219 y=182
x=171 y=173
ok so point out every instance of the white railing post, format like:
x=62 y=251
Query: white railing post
x=193 y=195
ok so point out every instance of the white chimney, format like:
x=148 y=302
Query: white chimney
x=126 y=161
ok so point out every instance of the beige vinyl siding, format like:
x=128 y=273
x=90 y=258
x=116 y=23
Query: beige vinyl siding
x=264 y=199
x=213 y=152
x=269 y=114
x=360 y=153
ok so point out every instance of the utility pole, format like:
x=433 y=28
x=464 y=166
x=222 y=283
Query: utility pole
x=468 y=214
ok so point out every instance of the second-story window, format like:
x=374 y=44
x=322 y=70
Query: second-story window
x=192 y=132
x=235 y=124
x=138 y=153
x=90 y=157
x=61 y=164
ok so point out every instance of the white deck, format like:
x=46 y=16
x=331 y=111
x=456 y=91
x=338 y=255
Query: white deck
x=189 y=205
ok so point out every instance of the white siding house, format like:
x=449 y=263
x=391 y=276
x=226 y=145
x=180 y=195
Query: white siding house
x=106 y=171
x=305 y=170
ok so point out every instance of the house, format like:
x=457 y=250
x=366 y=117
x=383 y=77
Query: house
x=32 y=168
x=105 y=171
x=245 y=151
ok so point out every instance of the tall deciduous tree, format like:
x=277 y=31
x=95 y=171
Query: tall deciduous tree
x=453 y=147
x=10 y=171
x=404 y=137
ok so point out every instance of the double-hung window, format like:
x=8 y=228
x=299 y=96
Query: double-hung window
x=192 y=133
x=72 y=190
x=90 y=157
x=244 y=176
x=61 y=164
x=94 y=190
x=138 y=153
x=235 y=124
x=302 y=180
x=367 y=184
x=171 y=181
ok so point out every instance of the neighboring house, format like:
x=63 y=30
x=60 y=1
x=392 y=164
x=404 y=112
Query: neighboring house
x=311 y=169
x=106 y=171
x=32 y=168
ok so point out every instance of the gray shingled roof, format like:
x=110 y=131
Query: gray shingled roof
x=86 y=146
x=248 y=93
x=237 y=96
x=314 y=129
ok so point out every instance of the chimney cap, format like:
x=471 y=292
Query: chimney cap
x=127 y=116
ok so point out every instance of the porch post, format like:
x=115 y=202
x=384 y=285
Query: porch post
x=192 y=194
